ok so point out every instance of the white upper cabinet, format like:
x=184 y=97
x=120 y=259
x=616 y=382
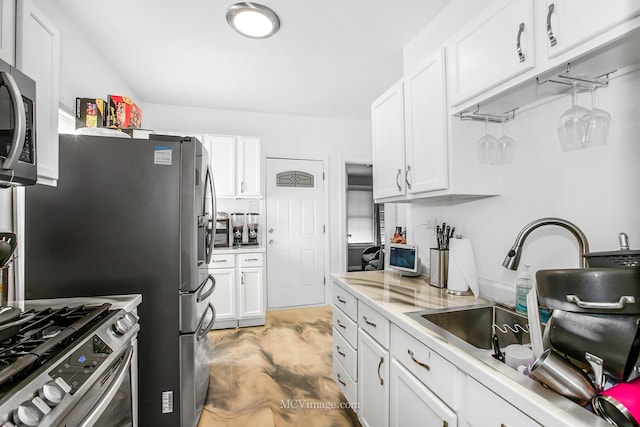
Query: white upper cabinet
x=387 y=119
x=491 y=49
x=223 y=160
x=38 y=56
x=426 y=126
x=8 y=31
x=571 y=22
x=236 y=165
x=249 y=168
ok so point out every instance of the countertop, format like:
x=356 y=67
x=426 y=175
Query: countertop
x=125 y=302
x=392 y=295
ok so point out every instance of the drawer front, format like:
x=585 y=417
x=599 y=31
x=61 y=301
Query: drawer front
x=435 y=372
x=347 y=385
x=374 y=323
x=346 y=327
x=480 y=398
x=250 y=259
x=222 y=261
x=346 y=354
x=345 y=302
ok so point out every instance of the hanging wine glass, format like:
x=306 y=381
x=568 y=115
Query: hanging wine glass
x=487 y=146
x=596 y=123
x=571 y=130
x=506 y=146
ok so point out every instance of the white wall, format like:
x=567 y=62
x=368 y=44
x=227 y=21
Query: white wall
x=330 y=140
x=84 y=72
x=597 y=188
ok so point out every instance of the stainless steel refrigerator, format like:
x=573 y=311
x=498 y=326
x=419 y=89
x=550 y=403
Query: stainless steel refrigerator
x=134 y=216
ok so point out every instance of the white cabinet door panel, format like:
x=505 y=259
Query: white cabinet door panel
x=38 y=56
x=412 y=404
x=8 y=31
x=485 y=53
x=373 y=382
x=426 y=127
x=223 y=161
x=224 y=294
x=572 y=22
x=251 y=293
x=387 y=117
x=250 y=170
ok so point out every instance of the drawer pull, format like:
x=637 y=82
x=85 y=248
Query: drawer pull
x=379 y=366
x=340 y=324
x=339 y=352
x=416 y=361
x=252 y=259
x=367 y=321
x=340 y=300
x=340 y=380
x=219 y=260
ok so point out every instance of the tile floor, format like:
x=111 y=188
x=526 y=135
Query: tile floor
x=276 y=375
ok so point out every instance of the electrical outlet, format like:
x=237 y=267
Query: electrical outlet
x=253 y=205
x=431 y=222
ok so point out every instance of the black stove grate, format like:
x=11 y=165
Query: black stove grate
x=40 y=336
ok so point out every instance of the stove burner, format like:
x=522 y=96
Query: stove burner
x=40 y=335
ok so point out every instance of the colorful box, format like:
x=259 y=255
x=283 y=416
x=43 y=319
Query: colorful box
x=90 y=112
x=123 y=113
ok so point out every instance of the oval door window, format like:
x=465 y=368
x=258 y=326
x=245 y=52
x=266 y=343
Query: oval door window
x=296 y=179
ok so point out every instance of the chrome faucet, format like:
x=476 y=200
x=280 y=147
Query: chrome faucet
x=512 y=259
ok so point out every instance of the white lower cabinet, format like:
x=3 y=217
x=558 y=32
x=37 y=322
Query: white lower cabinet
x=486 y=409
x=345 y=343
x=413 y=404
x=239 y=295
x=373 y=382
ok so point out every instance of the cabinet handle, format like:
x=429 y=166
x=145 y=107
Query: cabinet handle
x=340 y=300
x=552 y=38
x=251 y=259
x=406 y=177
x=397 y=177
x=340 y=380
x=367 y=321
x=219 y=260
x=416 y=361
x=339 y=352
x=340 y=324
x=519 y=48
x=379 y=366
x=242 y=278
x=242 y=187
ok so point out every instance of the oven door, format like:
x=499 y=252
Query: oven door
x=111 y=401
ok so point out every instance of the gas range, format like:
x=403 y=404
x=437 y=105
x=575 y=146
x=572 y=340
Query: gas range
x=64 y=366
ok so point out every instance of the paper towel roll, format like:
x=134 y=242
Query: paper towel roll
x=462 y=267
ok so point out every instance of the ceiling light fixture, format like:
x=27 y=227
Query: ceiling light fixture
x=253 y=20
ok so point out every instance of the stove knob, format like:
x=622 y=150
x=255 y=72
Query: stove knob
x=52 y=393
x=27 y=414
x=123 y=324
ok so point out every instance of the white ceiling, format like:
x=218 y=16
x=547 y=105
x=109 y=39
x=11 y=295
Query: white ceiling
x=331 y=58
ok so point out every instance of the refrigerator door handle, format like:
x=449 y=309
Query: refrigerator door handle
x=202 y=294
x=209 y=219
x=203 y=331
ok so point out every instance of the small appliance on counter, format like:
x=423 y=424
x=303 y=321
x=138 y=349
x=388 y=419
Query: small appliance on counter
x=252 y=228
x=237 y=222
x=221 y=236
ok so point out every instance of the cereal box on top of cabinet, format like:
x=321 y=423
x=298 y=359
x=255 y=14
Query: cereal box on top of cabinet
x=123 y=113
x=90 y=112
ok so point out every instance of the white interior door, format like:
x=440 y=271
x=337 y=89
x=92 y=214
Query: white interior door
x=295 y=227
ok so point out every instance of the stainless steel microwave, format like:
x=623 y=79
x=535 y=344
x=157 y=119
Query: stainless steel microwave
x=17 y=128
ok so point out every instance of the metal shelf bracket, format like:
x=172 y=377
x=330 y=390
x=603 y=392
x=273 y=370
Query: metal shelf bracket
x=580 y=81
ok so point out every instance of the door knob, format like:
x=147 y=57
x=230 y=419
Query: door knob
x=271 y=241
x=271 y=230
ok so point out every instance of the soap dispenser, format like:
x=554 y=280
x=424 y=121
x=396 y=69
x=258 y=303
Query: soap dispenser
x=523 y=286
